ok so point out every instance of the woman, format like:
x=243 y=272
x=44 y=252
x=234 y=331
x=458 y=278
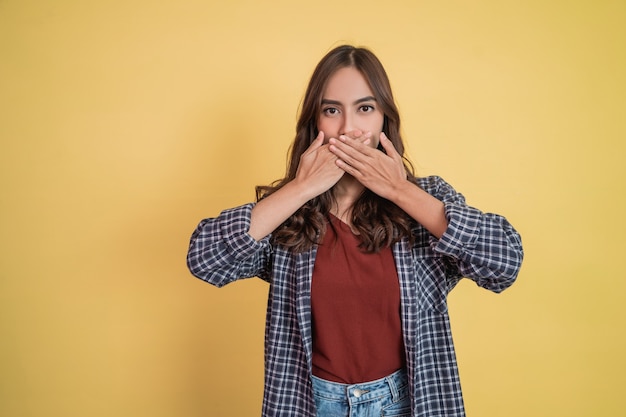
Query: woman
x=360 y=255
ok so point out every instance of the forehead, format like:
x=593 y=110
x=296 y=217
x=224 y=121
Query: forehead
x=347 y=83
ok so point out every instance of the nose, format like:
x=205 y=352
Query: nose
x=347 y=124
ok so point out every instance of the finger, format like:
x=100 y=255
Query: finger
x=358 y=135
x=388 y=146
x=317 y=142
x=355 y=147
x=348 y=154
x=353 y=134
x=346 y=167
x=319 y=139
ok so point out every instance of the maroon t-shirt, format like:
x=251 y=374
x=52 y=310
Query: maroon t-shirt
x=355 y=301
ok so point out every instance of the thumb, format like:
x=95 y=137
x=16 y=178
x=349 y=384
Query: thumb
x=388 y=146
x=318 y=141
x=315 y=144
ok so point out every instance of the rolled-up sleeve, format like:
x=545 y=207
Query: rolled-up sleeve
x=485 y=246
x=221 y=250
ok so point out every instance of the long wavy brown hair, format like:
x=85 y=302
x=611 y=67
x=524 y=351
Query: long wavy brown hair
x=379 y=222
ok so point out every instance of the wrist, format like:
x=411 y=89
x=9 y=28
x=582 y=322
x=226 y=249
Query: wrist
x=299 y=191
x=402 y=191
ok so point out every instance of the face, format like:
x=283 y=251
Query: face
x=348 y=104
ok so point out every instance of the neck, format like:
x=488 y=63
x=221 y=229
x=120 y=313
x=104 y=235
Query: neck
x=346 y=192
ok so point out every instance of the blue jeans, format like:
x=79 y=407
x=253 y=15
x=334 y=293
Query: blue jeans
x=388 y=396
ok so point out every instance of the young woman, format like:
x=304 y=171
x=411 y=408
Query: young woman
x=360 y=255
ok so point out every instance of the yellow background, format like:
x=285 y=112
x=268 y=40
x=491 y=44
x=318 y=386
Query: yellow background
x=123 y=123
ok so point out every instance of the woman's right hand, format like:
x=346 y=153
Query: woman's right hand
x=317 y=171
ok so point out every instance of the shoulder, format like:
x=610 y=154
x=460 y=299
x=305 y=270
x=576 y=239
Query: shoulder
x=440 y=189
x=430 y=183
x=434 y=185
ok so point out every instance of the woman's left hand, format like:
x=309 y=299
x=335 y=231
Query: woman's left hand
x=382 y=173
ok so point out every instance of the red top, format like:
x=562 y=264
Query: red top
x=355 y=301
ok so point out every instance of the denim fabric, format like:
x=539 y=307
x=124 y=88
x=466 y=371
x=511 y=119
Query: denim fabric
x=387 y=396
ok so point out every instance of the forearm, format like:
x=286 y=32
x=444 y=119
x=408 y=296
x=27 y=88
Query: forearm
x=273 y=210
x=484 y=246
x=487 y=248
x=221 y=251
x=423 y=207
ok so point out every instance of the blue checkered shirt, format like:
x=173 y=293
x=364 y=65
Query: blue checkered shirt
x=481 y=246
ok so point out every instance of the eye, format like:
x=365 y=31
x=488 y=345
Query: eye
x=366 y=108
x=330 y=111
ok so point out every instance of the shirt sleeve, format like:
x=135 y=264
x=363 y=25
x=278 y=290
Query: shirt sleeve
x=222 y=251
x=485 y=246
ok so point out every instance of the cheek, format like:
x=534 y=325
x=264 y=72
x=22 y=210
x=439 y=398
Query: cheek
x=381 y=122
x=376 y=129
x=327 y=126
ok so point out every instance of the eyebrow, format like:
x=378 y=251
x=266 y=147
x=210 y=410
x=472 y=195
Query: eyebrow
x=359 y=101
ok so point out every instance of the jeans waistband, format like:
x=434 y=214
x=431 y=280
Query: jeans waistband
x=390 y=385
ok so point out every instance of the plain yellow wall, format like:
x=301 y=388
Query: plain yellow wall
x=123 y=123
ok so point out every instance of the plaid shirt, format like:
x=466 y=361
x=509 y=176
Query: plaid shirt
x=483 y=247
